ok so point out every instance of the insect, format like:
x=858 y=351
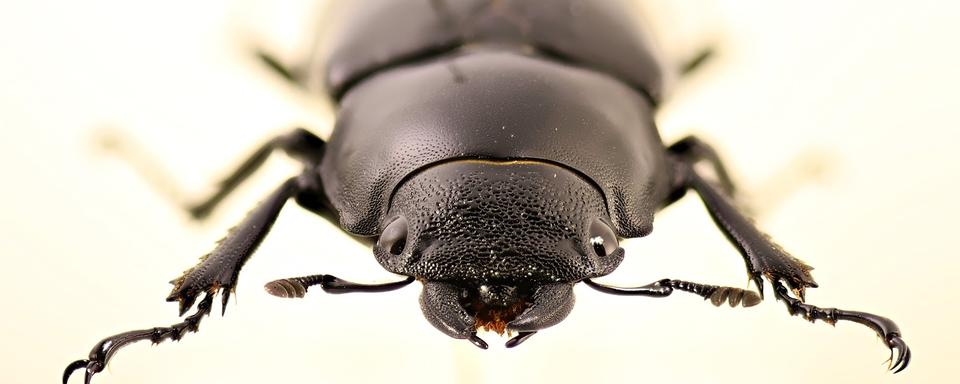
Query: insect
x=495 y=151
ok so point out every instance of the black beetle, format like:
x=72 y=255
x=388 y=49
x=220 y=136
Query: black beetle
x=496 y=151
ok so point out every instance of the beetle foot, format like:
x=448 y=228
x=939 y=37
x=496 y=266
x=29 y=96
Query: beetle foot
x=106 y=348
x=92 y=367
x=888 y=331
x=894 y=342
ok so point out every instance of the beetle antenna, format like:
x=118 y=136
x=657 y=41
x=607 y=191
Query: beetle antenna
x=715 y=293
x=296 y=287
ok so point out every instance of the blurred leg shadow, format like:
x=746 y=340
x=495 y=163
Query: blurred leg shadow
x=809 y=167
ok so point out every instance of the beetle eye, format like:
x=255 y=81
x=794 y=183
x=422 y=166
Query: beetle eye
x=602 y=238
x=394 y=237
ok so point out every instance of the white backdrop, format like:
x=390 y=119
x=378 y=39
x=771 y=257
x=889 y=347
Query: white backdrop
x=839 y=118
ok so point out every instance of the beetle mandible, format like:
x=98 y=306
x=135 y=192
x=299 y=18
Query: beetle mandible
x=495 y=151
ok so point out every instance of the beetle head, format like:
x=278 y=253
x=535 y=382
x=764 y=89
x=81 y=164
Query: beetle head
x=498 y=245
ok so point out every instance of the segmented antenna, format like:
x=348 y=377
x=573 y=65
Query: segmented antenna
x=294 y=287
x=717 y=294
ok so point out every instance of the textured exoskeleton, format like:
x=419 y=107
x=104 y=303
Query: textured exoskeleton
x=496 y=151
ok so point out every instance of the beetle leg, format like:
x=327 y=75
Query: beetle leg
x=762 y=256
x=297 y=286
x=692 y=150
x=888 y=331
x=299 y=144
x=218 y=270
x=102 y=352
x=663 y=288
x=293 y=75
x=696 y=62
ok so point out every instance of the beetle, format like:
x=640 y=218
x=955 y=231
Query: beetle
x=496 y=152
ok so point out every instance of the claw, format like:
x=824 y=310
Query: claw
x=92 y=368
x=73 y=367
x=759 y=283
x=104 y=349
x=903 y=358
x=185 y=300
x=884 y=327
x=224 y=300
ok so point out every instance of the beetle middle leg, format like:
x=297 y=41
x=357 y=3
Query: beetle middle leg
x=289 y=74
x=697 y=61
x=762 y=256
x=298 y=143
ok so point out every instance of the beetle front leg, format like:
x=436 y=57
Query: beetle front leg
x=217 y=272
x=764 y=258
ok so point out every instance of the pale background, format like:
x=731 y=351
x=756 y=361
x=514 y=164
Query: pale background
x=840 y=119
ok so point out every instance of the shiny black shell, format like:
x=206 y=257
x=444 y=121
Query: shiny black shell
x=606 y=36
x=422 y=82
